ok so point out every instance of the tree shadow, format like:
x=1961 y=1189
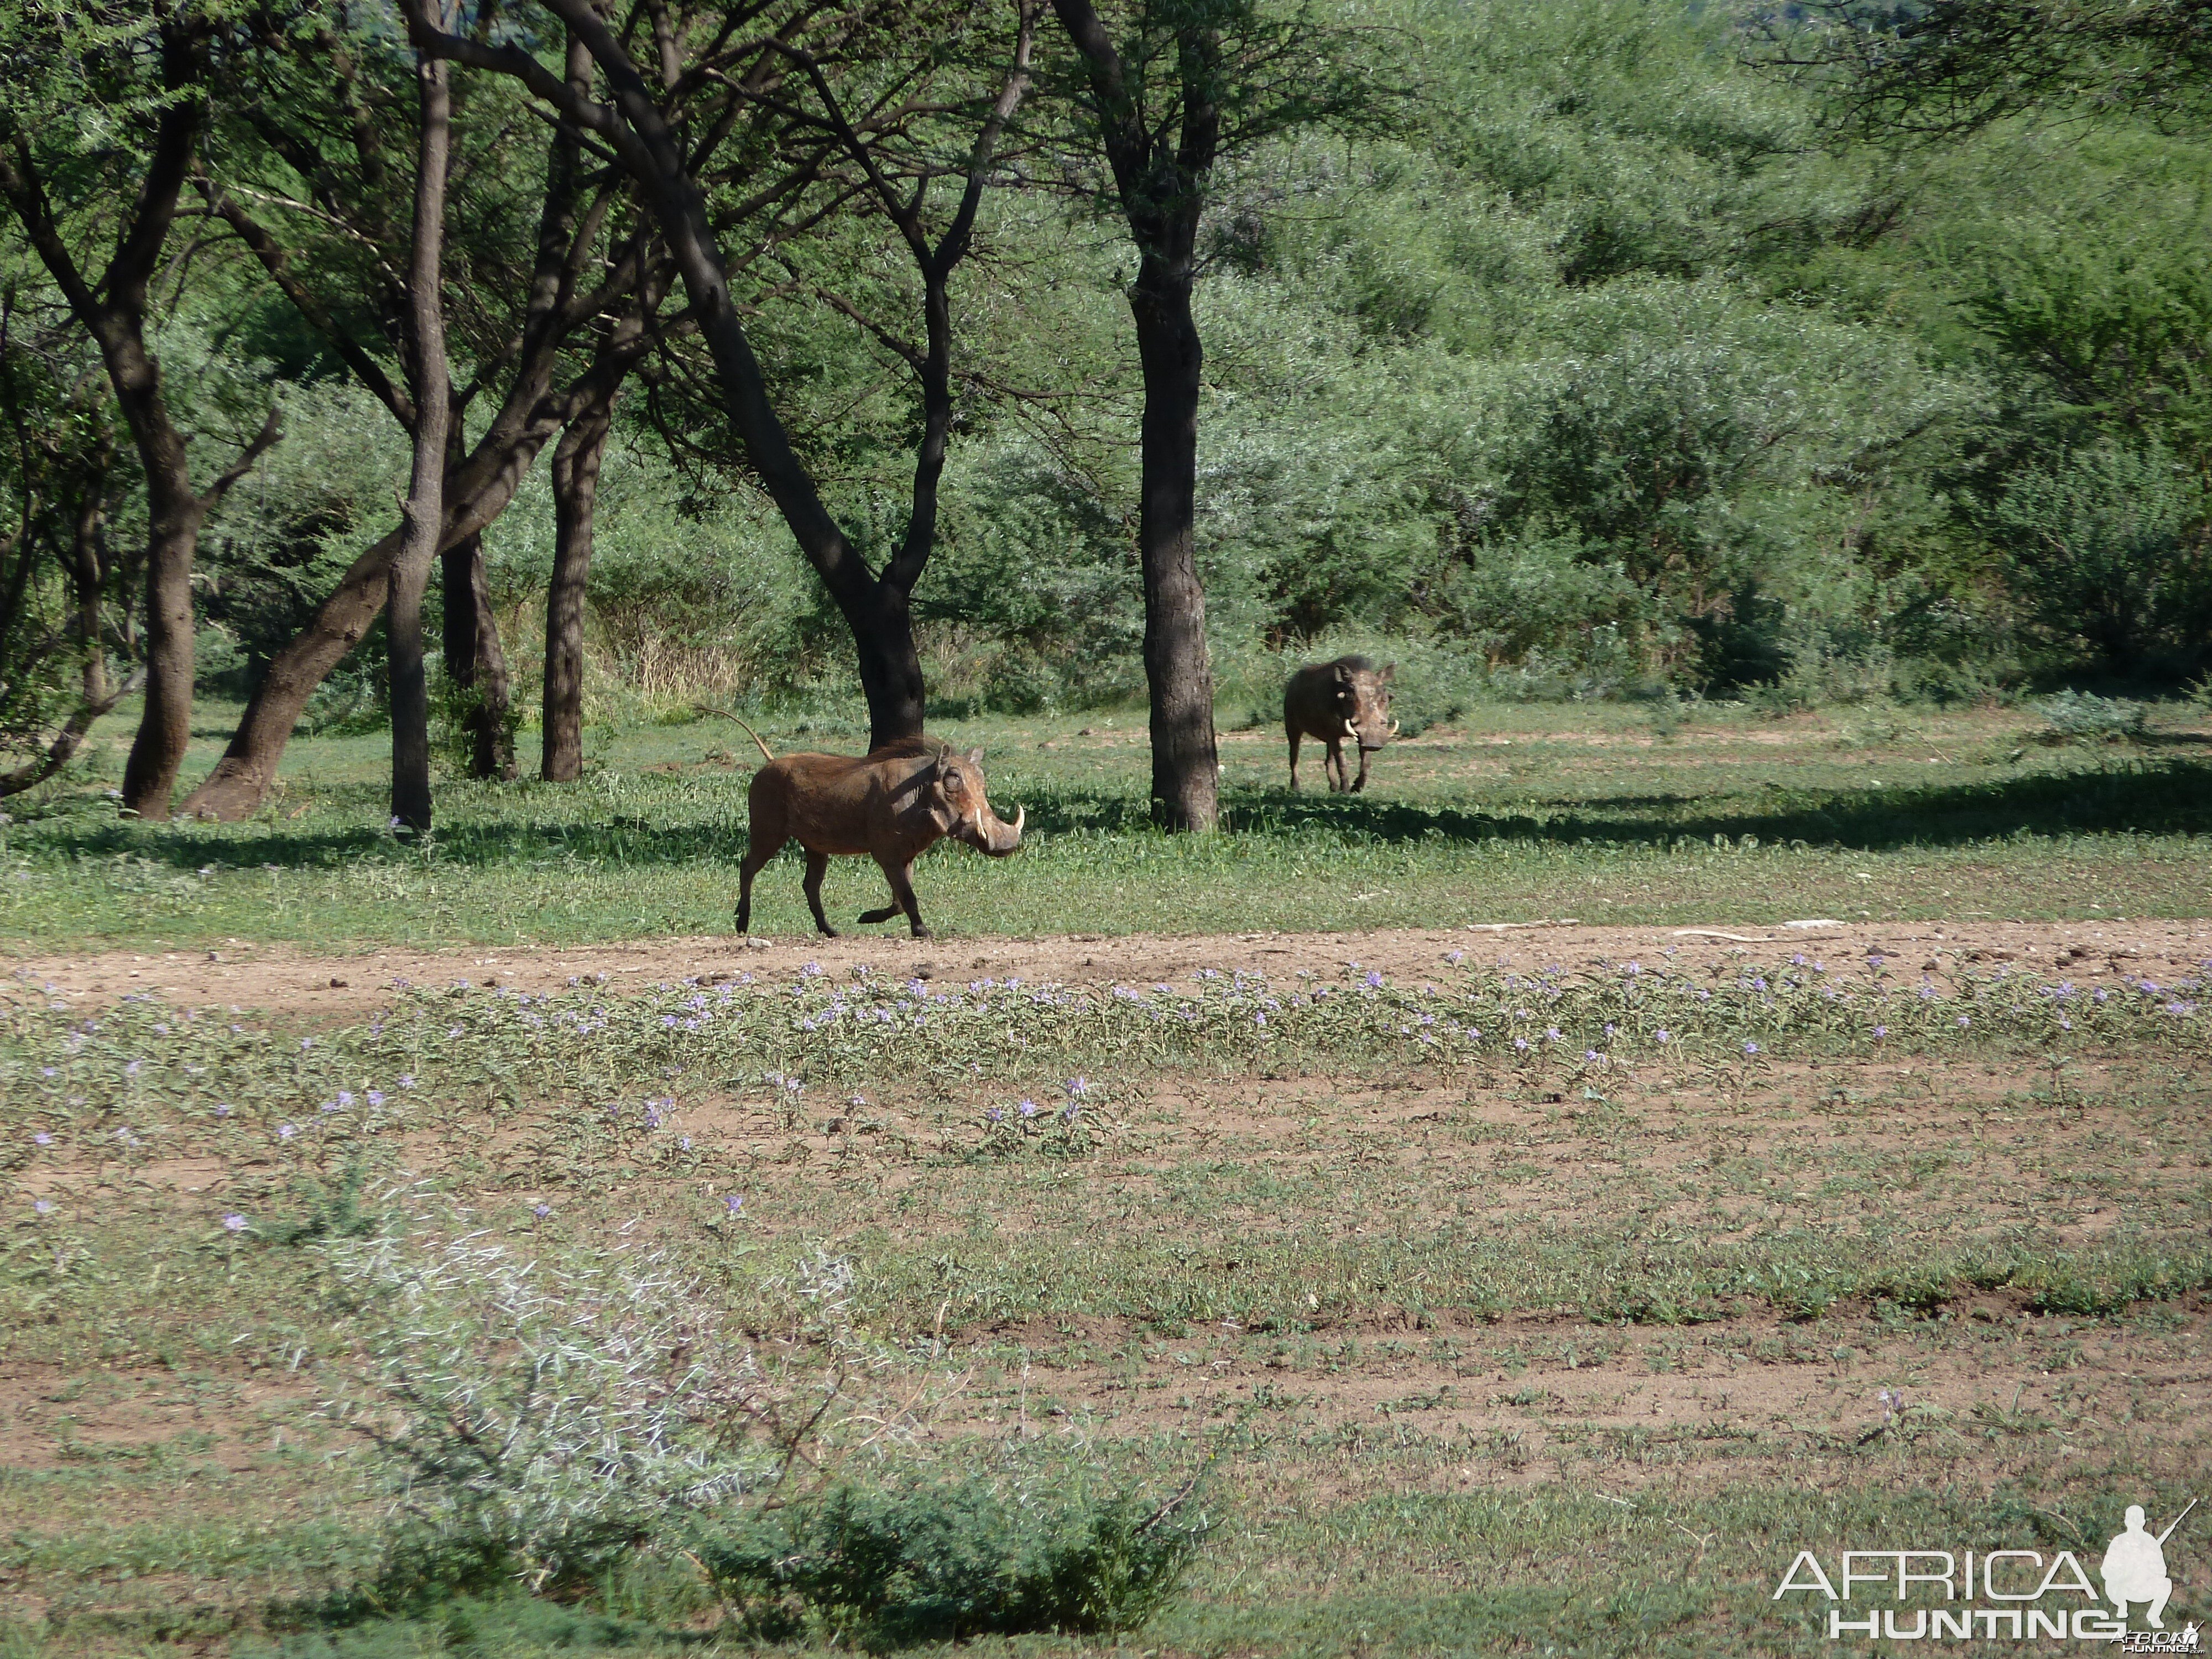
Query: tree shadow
x=2161 y=795
x=2155 y=796
x=552 y=846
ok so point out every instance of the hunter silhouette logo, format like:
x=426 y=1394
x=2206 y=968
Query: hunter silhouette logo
x=2135 y=1567
x=2003 y=1595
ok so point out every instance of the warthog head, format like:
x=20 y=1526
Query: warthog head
x=1363 y=700
x=956 y=800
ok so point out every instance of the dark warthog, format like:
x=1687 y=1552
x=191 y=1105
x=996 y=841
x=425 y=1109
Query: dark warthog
x=1332 y=700
x=894 y=806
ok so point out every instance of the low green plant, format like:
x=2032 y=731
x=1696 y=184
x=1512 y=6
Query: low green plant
x=332 y=1210
x=2084 y=717
x=889 y=1568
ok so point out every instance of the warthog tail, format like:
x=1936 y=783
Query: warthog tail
x=725 y=714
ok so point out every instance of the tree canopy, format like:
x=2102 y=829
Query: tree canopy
x=1593 y=348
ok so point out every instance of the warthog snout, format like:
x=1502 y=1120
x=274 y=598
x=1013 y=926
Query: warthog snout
x=1347 y=701
x=993 y=835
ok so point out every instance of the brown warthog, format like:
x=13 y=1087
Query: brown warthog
x=894 y=806
x=1332 y=700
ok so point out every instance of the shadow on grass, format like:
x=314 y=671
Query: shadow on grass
x=2161 y=797
x=2151 y=795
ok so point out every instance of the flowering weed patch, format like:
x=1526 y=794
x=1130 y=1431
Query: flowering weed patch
x=1407 y=1250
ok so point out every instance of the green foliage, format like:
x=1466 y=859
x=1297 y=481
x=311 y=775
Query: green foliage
x=892 y=1568
x=326 y=1210
x=1587 y=372
x=2113 y=549
x=2078 y=716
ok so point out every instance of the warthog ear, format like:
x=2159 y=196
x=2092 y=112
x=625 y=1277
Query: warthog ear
x=1343 y=675
x=1389 y=669
x=975 y=757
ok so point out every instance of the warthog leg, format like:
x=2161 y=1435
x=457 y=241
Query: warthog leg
x=1360 y=782
x=901 y=881
x=1333 y=766
x=818 y=864
x=755 y=858
x=1297 y=738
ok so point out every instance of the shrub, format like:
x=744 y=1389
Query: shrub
x=884 y=1569
x=2084 y=717
x=540 y=1418
x=2106 y=547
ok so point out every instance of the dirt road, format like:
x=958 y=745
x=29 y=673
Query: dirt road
x=284 y=978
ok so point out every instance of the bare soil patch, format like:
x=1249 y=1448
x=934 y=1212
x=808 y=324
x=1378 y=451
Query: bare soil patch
x=52 y=1417
x=1530 y=1400
x=277 y=978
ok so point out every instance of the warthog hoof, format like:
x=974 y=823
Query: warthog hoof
x=871 y=917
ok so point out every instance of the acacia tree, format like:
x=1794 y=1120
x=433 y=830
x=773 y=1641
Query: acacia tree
x=1948 y=67
x=315 y=147
x=1177 y=87
x=149 y=72
x=708 y=80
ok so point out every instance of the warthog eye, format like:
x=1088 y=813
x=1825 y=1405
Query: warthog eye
x=952 y=784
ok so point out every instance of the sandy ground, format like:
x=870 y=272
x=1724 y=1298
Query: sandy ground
x=285 y=978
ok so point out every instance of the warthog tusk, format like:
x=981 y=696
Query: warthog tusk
x=1393 y=728
x=1349 y=730
x=1021 y=816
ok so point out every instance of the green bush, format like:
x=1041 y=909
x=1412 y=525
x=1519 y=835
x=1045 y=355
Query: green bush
x=2106 y=549
x=2083 y=717
x=889 y=1568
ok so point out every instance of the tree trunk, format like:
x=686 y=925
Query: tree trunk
x=890 y=667
x=575 y=498
x=1178 y=670
x=174 y=512
x=424 y=513
x=875 y=611
x=234 y=789
x=157 y=753
x=474 y=659
x=1160 y=172
x=87 y=578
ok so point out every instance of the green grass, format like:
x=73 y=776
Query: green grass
x=1516 y=814
x=1408 y=1302
x=1483 y=1350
